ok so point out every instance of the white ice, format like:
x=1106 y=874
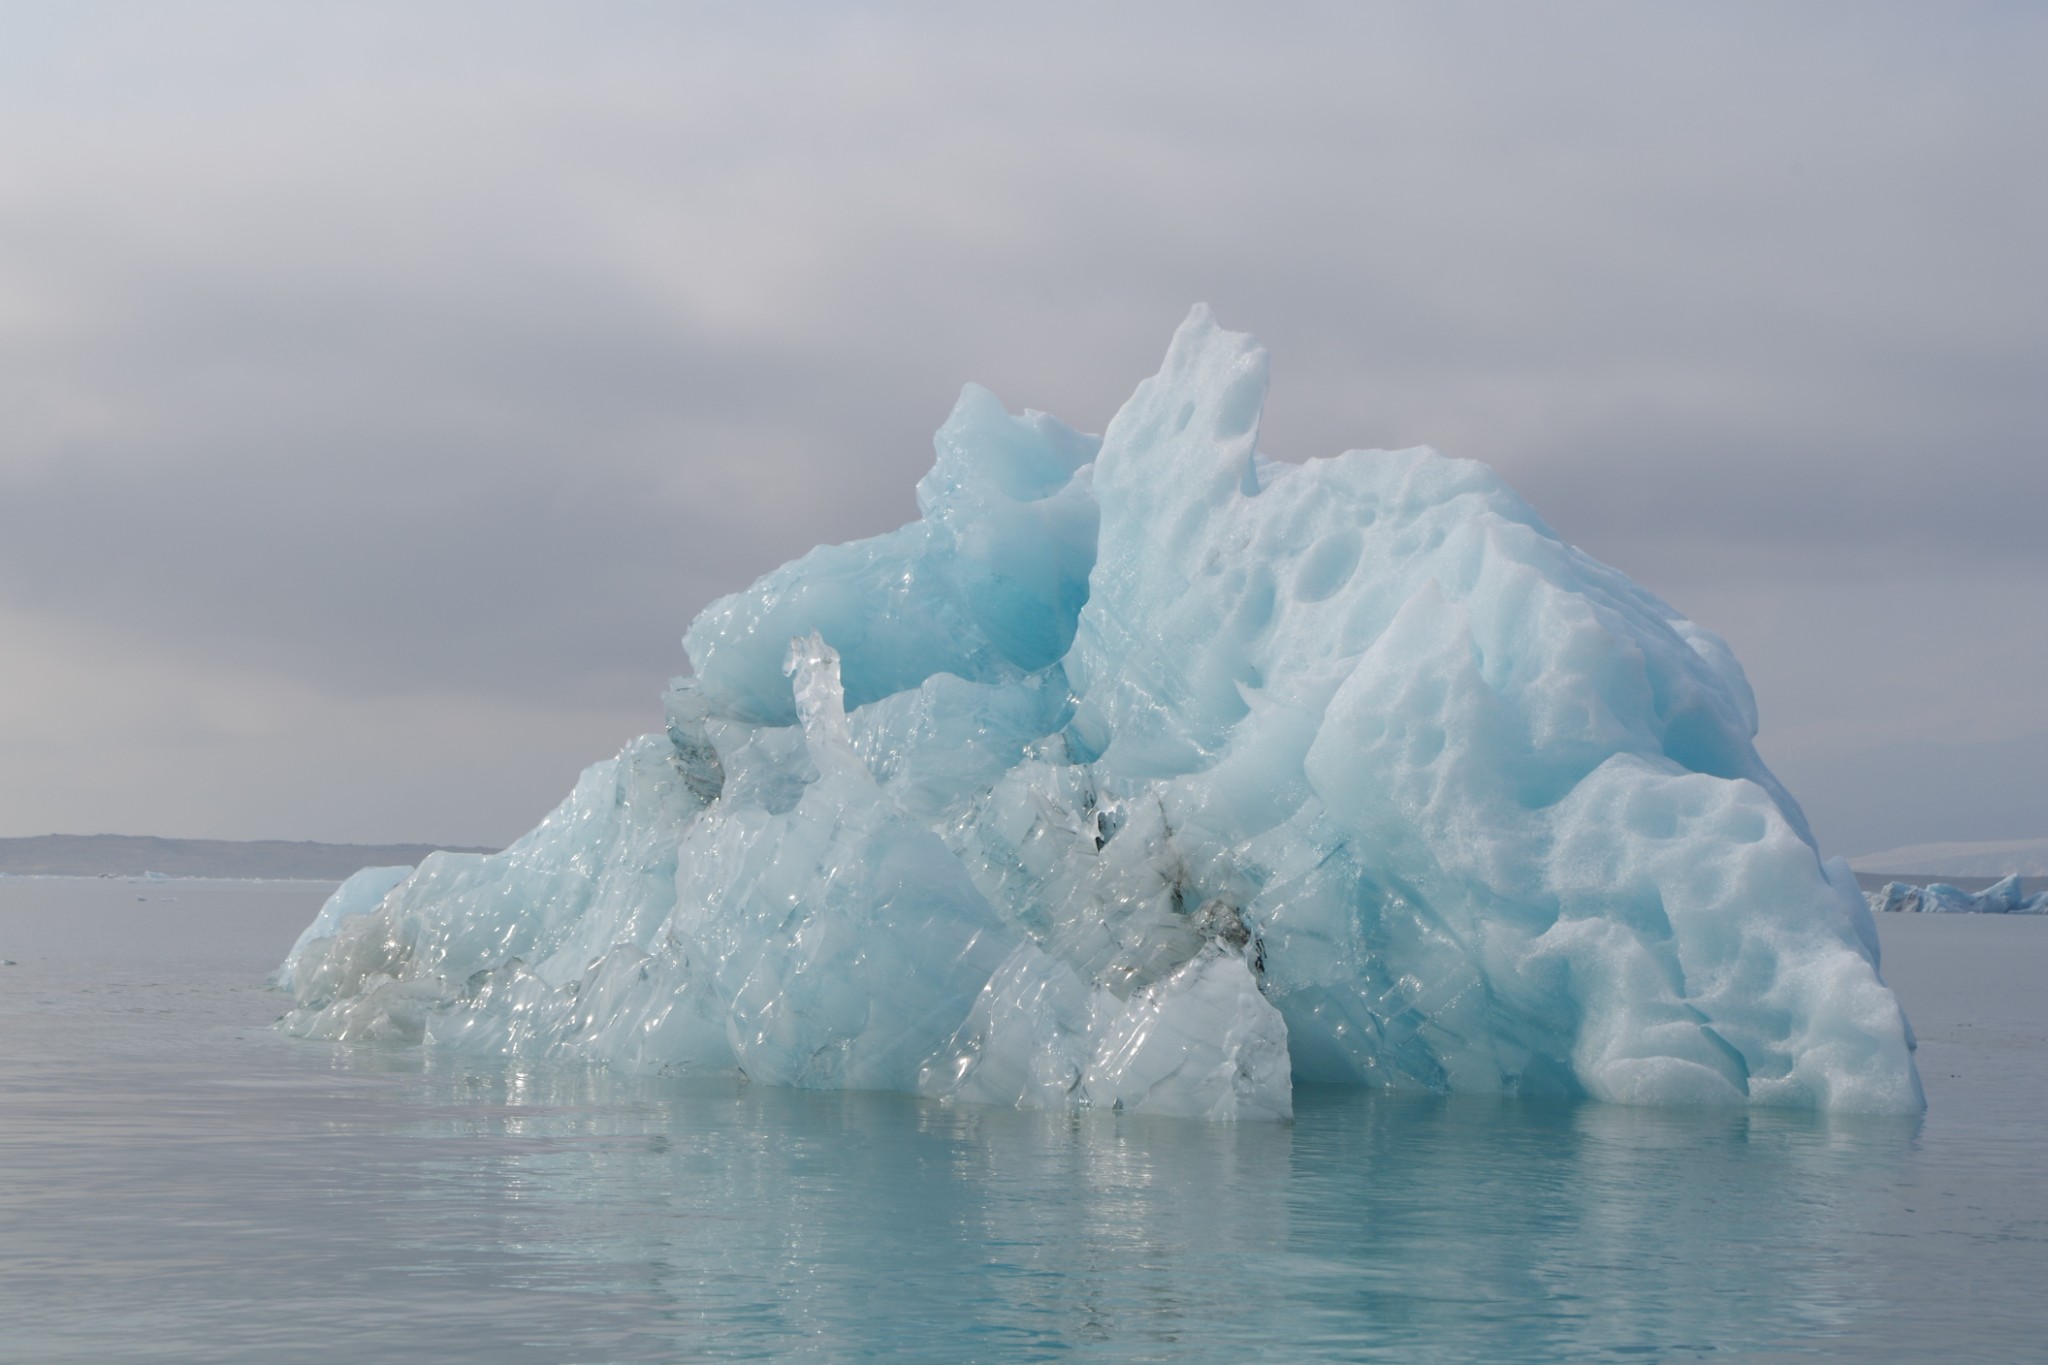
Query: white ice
x=1147 y=773
x=2006 y=896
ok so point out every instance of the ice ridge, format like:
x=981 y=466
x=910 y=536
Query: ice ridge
x=1150 y=774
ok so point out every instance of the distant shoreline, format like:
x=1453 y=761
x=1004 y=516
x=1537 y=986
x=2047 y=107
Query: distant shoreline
x=137 y=855
x=285 y=860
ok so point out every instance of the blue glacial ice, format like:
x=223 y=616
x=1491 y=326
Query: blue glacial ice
x=2005 y=897
x=1147 y=773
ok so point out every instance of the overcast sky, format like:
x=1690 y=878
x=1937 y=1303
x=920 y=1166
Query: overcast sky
x=383 y=388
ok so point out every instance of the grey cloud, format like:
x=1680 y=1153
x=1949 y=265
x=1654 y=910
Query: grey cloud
x=470 y=351
x=1955 y=788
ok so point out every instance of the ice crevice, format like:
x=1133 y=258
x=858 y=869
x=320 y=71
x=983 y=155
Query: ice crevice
x=1149 y=774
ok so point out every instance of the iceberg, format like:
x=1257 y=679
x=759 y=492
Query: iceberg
x=1146 y=773
x=2003 y=897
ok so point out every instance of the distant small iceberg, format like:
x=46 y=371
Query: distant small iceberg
x=2005 y=897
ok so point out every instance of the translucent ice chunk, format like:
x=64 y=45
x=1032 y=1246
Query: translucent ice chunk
x=986 y=585
x=359 y=895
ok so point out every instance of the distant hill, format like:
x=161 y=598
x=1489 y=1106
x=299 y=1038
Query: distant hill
x=1996 y=858
x=132 y=855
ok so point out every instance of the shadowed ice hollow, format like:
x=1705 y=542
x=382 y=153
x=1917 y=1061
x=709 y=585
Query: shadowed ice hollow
x=1146 y=773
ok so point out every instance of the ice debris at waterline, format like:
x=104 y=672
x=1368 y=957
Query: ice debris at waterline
x=2006 y=897
x=1146 y=773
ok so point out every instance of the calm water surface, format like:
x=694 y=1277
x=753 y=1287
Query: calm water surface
x=178 y=1182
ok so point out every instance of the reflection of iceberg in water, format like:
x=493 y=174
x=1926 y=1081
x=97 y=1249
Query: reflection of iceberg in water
x=1149 y=774
x=758 y=1222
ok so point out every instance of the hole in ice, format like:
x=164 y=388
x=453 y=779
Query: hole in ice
x=1327 y=566
x=1425 y=745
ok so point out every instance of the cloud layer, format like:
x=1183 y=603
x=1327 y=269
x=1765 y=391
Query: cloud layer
x=386 y=390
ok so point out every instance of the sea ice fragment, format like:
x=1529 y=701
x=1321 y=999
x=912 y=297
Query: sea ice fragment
x=2003 y=897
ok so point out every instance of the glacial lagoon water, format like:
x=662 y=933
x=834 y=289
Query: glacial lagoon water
x=179 y=1182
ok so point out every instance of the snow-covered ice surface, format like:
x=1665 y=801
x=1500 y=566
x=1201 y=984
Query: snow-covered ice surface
x=1149 y=774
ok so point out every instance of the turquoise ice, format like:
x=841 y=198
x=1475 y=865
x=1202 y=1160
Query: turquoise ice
x=1147 y=773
